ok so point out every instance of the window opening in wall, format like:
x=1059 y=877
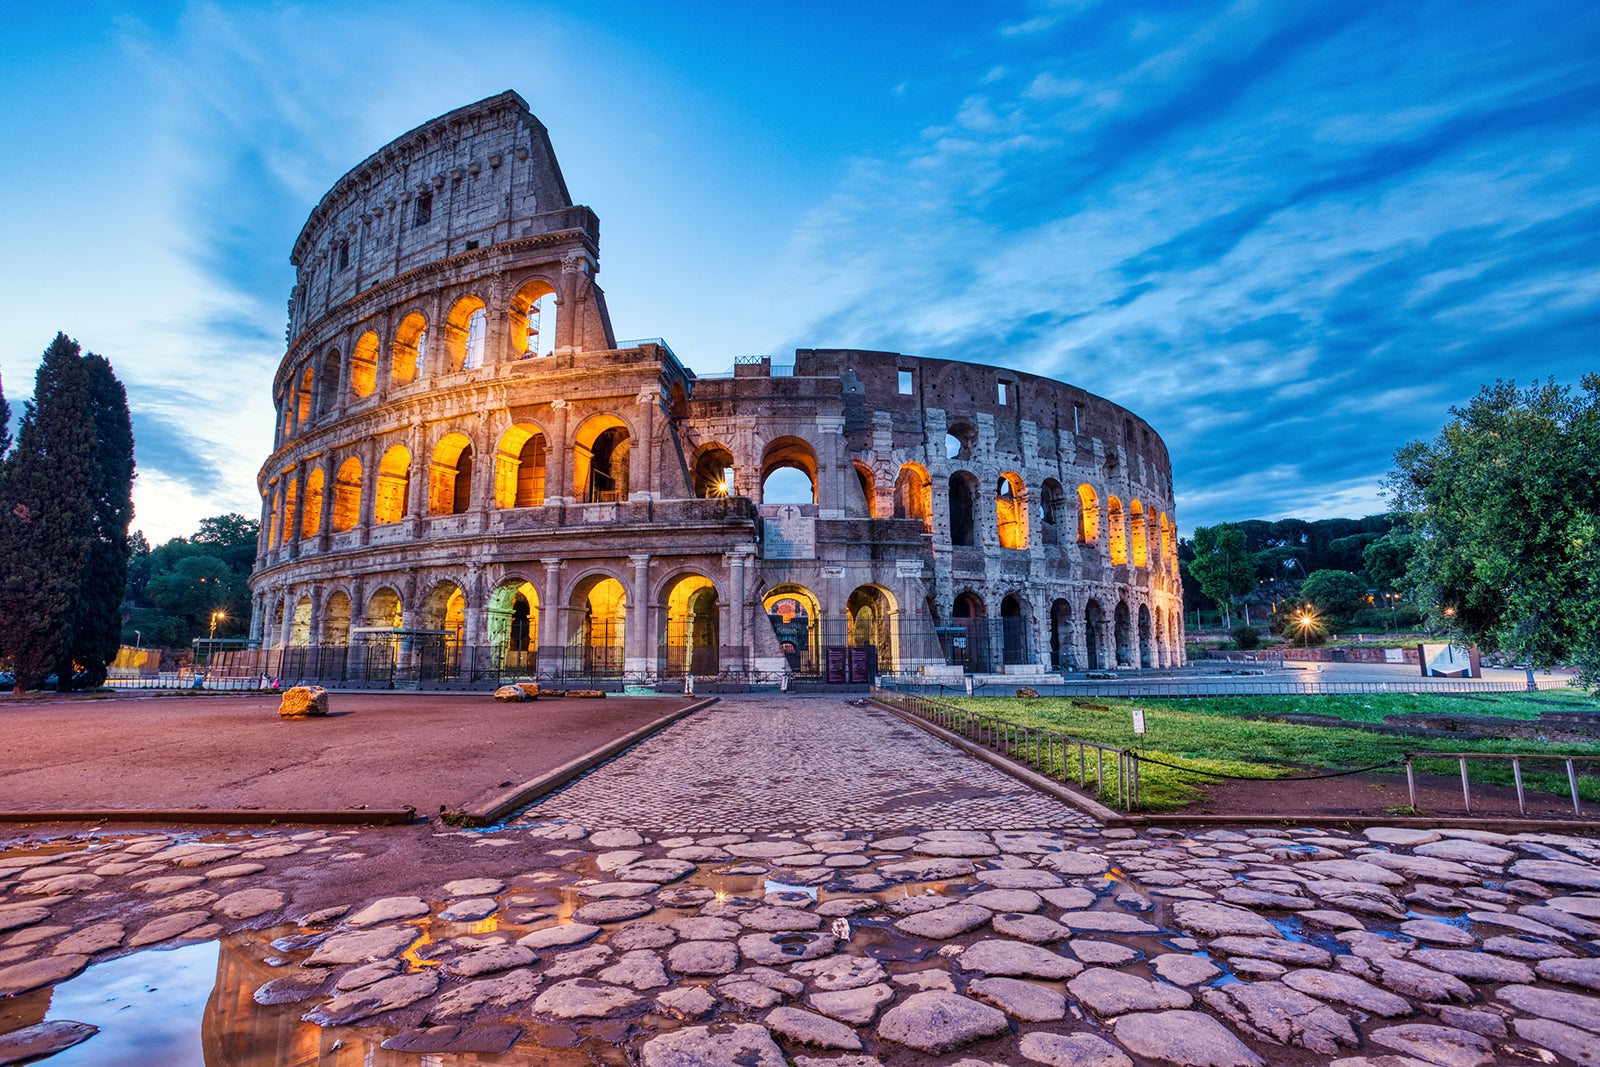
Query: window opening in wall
x=344 y=255
x=713 y=473
x=422 y=212
x=961 y=509
x=608 y=467
x=958 y=443
x=913 y=496
x=1117 y=531
x=471 y=245
x=533 y=321
x=1011 y=514
x=1003 y=392
x=477 y=327
x=1127 y=430
x=1077 y=418
x=952 y=446
x=905 y=383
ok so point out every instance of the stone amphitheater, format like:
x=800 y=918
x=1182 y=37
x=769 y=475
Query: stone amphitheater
x=469 y=465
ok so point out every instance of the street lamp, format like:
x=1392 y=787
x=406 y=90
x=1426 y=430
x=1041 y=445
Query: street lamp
x=1306 y=618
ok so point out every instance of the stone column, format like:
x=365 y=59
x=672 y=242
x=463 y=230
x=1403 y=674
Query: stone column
x=314 y=630
x=831 y=465
x=472 y=636
x=641 y=471
x=552 y=641
x=738 y=613
x=369 y=488
x=257 y=618
x=567 y=299
x=636 y=638
x=420 y=465
x=291 y=537
x=558 y=457
x=330 y=475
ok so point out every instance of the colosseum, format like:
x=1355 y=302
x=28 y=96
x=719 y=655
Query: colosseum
x=473 y=479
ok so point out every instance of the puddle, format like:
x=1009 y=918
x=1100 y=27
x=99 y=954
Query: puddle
x=149 y=1007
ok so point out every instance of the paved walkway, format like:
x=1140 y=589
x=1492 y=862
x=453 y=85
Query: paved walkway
x=756 y=764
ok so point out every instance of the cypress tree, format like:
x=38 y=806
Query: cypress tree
x=46 y=517
x=97 y=617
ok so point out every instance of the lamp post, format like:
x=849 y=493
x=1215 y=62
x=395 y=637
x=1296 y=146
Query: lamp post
x=211 y=641
x=1306 y=619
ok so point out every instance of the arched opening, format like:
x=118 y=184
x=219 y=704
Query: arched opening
x=1141 y=535
x=364 y=366
x=713 y=472
x=1088 y=515
x=789 y=472
x=963 y=491
x=1061 y=656
x=393 y=495
x=1052 y=507
x=869 y=488
x=383 y=609
x=600 y=607
x=464 y=334
x=600 y=460
x=1123 y=635
x=519 y=466
x=871 y=611
x=328 y=383
x=291 y=496
x=1011 y=511
x=311 y=523
x=302 y=399
x=300 y=624
x=1117 y=528
x=1146 y=640
x=347 y=495
x=796 y=622
x=533 y=320
x=410 y=351
x=1169 y=543
x=445 y=608
x=913 y=495
x=1014 y=630
x=450 y=476
x=273 y=518
x=960 y=441
x=513 y=624
x=336 y=619
x=692 y=642
x=1094 y=629
x=969 y=644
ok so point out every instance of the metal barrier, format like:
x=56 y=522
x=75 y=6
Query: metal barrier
x=1516 y=759
x=1044 y=749
x=1196 y=687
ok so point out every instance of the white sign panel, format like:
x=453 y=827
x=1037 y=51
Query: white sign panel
x=1138 y=720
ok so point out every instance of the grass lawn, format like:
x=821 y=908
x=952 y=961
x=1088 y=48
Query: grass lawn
x=1213 y=734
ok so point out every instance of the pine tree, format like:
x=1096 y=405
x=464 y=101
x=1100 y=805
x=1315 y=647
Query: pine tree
x=46 y=517
x=5 y=422
x=97 y=617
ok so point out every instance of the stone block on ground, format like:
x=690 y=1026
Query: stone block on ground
x=303 y=701
x=510 y=694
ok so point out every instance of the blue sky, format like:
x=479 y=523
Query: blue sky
x=1290 y=235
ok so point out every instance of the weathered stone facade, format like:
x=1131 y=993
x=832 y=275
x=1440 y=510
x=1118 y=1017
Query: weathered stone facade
x=450 y=461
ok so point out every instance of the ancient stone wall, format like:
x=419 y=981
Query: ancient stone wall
x=464 y=452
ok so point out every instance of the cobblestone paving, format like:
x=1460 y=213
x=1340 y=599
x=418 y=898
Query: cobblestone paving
x=748 y=765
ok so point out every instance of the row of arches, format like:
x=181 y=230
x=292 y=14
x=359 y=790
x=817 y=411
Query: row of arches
x=461 y=341
x=1133 y=535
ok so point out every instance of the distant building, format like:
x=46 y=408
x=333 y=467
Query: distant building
x=467 y=455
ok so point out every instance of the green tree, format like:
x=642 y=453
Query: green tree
x=97 y=613
x=1506 y=508
x=5 y=422
x=1334 y=595
x=1387 y=559
x=46 y=518
x=1222 y=566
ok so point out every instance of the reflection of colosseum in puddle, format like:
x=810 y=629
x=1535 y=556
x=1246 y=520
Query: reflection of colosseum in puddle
x=466 y=455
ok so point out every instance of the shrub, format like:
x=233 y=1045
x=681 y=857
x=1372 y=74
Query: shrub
x=1246 y=636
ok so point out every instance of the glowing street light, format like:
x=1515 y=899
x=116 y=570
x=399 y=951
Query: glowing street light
x=215 y=615
x=1306 y=619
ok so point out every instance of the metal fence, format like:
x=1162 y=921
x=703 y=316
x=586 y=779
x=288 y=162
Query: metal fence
x=1192 y=687
x=1048 y=751
x=1515 y=758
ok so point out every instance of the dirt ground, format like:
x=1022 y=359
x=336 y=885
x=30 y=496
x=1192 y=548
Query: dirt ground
x=376 y=750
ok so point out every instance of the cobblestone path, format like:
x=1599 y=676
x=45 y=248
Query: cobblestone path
x=752 y=764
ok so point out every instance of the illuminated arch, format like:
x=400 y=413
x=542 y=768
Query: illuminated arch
x=444 y=608
x=519 y=467
x=1117 y=531
x=392 y=498
x=410 y=352
x=291 y=496
x=364 y=365
x=450 y=476
x=1088 y=514
x=692 y=626
x=1140 y=546
x=794 y=454
x=464 y=334
x=713 y=472
x=869 y=488
x=299 y=635
x=513 y=623
x=600 y=460
x=336 y=619
x=533 y=320
x=328 y=382
x=384 y=608
x=599 y=616
x=796 y=618
x=1011 y=510
x=871 y=612
x=913 y=495
x=311 y=522
x=347 y=495
x=302 y=401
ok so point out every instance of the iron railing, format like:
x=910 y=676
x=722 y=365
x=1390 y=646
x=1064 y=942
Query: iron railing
x=1046 y=750
x=1187 y=687
x=1516 y=759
